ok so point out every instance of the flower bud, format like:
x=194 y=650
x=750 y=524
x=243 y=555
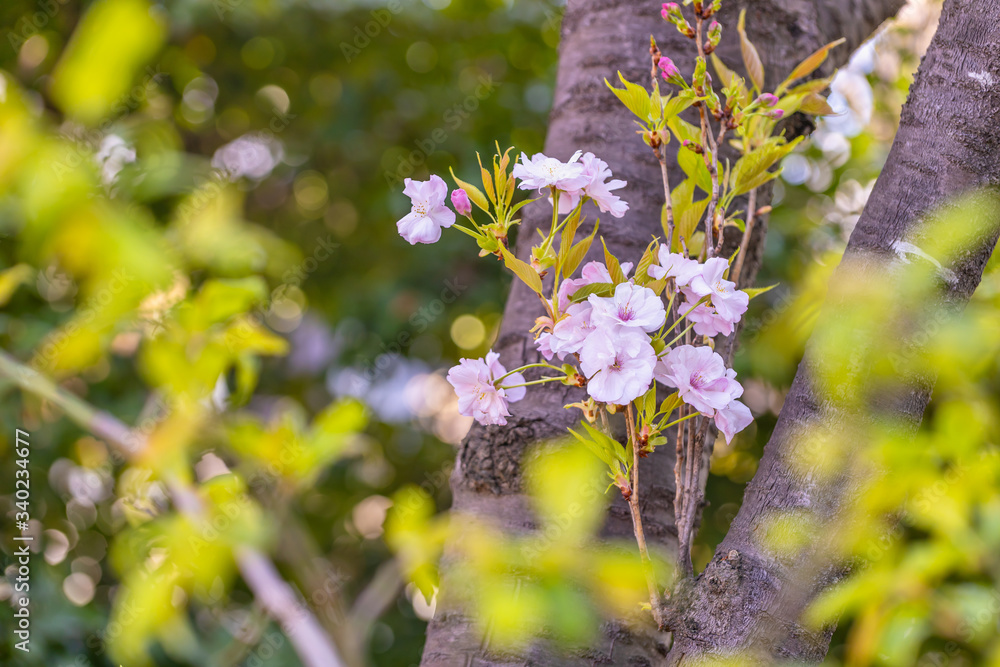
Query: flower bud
x=775 y=114
x=460 y=200
x=767 y=100
x=714 y=34
x=672 y=12
x=670 y=72
x=693 y=146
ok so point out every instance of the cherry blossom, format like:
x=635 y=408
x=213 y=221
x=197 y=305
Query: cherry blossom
x=707 y=322
x=732 y=419
x=474 y=381
x=570 y=332
x=701 y=378
x=729 y=302
x=676 y=266
x=540 y=172
x=598 y=188
x=632 y=306
x=619 y=362
x=592 y=272
x=428 y=213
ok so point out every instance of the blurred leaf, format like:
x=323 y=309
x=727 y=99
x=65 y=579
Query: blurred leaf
x=114 y=40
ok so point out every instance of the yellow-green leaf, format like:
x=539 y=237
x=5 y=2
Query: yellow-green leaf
x=13 y=278
x=522 y=270
x=614 y=267
x=816 y=105
x=751 y=60
x=757 y=291
x=475 y=194
x=635 y=98
x=113 y=41
x=809 y=65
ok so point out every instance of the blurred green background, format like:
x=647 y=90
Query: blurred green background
x=303 y=117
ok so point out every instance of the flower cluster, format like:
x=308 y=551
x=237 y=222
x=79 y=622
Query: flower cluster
x=613 y=332
x=639 y=337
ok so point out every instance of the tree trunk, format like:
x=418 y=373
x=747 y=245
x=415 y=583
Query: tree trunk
x=947 y=145
x=599 y=38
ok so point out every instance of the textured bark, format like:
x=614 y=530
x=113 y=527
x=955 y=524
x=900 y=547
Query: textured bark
x=947 y=144
x=601 y=37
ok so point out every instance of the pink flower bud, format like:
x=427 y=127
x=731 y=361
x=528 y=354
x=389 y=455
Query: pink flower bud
x=668 y=9
x=668 y=68
x=714 y=33
x=460 y=200
x=775 y=114
x=767 y=100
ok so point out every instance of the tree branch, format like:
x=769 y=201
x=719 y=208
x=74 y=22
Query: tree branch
x=259 y=573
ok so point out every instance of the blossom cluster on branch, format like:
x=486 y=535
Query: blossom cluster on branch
x=621 y=329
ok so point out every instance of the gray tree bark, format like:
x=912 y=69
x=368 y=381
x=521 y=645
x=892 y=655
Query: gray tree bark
x=946 y=145
x=599 y=38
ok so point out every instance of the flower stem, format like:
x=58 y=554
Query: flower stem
x=528 y=384
x=680 y=335
x=640 y=535
x=524 y=368
x=702 y=300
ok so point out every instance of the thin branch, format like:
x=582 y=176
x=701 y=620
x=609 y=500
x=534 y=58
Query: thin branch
x=745 y=243
x=272 y=592
x=640 y=535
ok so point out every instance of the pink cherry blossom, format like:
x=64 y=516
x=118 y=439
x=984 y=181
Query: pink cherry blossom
x=541 y=172
x=570 y=332
x=460 y=200
x=632 y=306
x=428 y=213
x=728 y=301
x=619 y=362
x=707 y=322
x=701 y=378
x=592 y=272
x=544 y=345
x=597 y=187
x=732 y=419
x=478 y=396
x=674 y=265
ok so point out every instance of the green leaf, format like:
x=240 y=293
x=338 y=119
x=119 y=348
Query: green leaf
x=649 y=404
x=634 y=97
x=678 y=103
x=96 y=72
x=600 y=289
x=614 y=267
x=522 y=270
x=612 y=444
x=570 y=225
x=751 y=170
x=751 y=60
x=809 y=65
x=816 y=105
x=475 y=194
x=11 y=279
x=642 y=268
x=220 y=299
x=757 y=291
x=687 y=214
x=669 y=404
x=692 y=164
x=576 y=254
